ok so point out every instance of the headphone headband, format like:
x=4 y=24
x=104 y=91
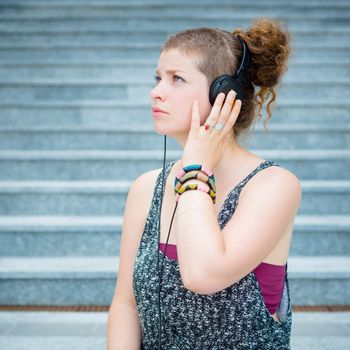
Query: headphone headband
x=227 y=82
x=245 y=57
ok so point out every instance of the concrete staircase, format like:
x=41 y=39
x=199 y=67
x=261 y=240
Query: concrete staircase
x=76 y=130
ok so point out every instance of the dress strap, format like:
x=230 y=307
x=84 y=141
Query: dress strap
x=159 y=183
x=155 y=202
x=167 y=169
x=261 y=166
x=230 y=202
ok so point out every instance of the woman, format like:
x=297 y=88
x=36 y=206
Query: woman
x=224 y=278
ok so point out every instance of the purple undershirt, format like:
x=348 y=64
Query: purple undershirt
x=270 y=278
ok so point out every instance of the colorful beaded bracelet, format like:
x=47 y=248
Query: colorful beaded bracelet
x=192 y=186
x=193 y=167
x=195 y=174
x=180 y=187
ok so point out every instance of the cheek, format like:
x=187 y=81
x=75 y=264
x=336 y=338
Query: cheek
x=204 y=109
x=184 y=108
x=184 y=112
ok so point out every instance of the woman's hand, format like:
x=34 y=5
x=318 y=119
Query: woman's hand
x=206 y=147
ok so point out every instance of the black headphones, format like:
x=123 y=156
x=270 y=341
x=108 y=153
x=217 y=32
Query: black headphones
x=227 y=82
x=223 y=83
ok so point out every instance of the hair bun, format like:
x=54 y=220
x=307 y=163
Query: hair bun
x=269 y=43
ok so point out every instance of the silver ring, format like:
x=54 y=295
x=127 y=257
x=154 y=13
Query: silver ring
x=219 y=126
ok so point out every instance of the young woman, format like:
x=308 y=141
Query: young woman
x=224 y=278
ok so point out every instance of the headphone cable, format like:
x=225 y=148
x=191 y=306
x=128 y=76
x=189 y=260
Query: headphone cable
x=160 y=270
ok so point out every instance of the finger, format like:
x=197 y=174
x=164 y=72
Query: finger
x=233 y=117
x=195 y=121
x=227 y=107
x=215 y=111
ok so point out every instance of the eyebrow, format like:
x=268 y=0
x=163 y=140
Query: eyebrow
x=171 y=71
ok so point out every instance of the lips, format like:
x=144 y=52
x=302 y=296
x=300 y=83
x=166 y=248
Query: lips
x=156 y=109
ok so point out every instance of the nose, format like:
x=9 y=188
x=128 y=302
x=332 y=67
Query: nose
x=157 y=93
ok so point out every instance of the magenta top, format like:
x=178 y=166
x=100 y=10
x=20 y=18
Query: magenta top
x=270 y=278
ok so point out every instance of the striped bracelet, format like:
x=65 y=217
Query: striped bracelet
x=192 y=186
x=197 y=167
x=195 y=174
x=195 y=171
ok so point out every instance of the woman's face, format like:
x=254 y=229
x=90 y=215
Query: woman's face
x=178 y=85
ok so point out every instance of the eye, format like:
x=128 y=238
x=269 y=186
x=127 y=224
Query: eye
x=156 y=78
x=176 y=76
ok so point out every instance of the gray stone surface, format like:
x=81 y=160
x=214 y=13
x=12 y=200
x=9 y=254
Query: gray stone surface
x=44 y=39
x=87 y=330
x=108 y=197
x=109 y=165
x=127 y=71
x=116 y=90
x=124 y=113
x=100 y=235
x=91 y=280
x=316 y=136
x=76 y=129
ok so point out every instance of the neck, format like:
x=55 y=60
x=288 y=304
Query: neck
x=234 y=156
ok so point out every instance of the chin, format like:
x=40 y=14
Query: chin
x=159 y=130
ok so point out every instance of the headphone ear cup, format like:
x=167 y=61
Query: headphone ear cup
x=224 y=84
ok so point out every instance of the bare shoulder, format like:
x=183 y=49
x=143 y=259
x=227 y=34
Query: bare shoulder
x=143 y=189
x=149 y=177
x=277 y=180
x=135 y=213
x=281 y=173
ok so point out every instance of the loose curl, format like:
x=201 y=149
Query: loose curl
x=217 y=52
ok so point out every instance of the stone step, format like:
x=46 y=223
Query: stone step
x=144 y=71
x=297 y=30
x=132 y=90
x=143 y=137
x=146 y=80
x=17 y=39
x=136 y=3
x=174 y=22
x=320 y=164
x=100 y=236
x=211 y=12
x=53 y=330
x=96 y=54
x=321 y=331
x=150 y=10
x=91 y=280
x=42 y=330
x=127 y=113
x=100 y=198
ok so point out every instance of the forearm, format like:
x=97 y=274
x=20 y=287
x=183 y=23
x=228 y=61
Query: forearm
x=198 y=236
x=123 y=328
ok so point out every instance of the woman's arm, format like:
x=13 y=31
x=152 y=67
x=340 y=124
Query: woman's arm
x=123 y=327
x=211 y=259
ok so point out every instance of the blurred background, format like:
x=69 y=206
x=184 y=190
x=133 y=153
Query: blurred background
x=76 y=129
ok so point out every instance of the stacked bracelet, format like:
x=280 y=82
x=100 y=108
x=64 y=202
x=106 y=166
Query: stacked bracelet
x=194 y=167
x=192 y=186
x=195 y=174
x=193 y=171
